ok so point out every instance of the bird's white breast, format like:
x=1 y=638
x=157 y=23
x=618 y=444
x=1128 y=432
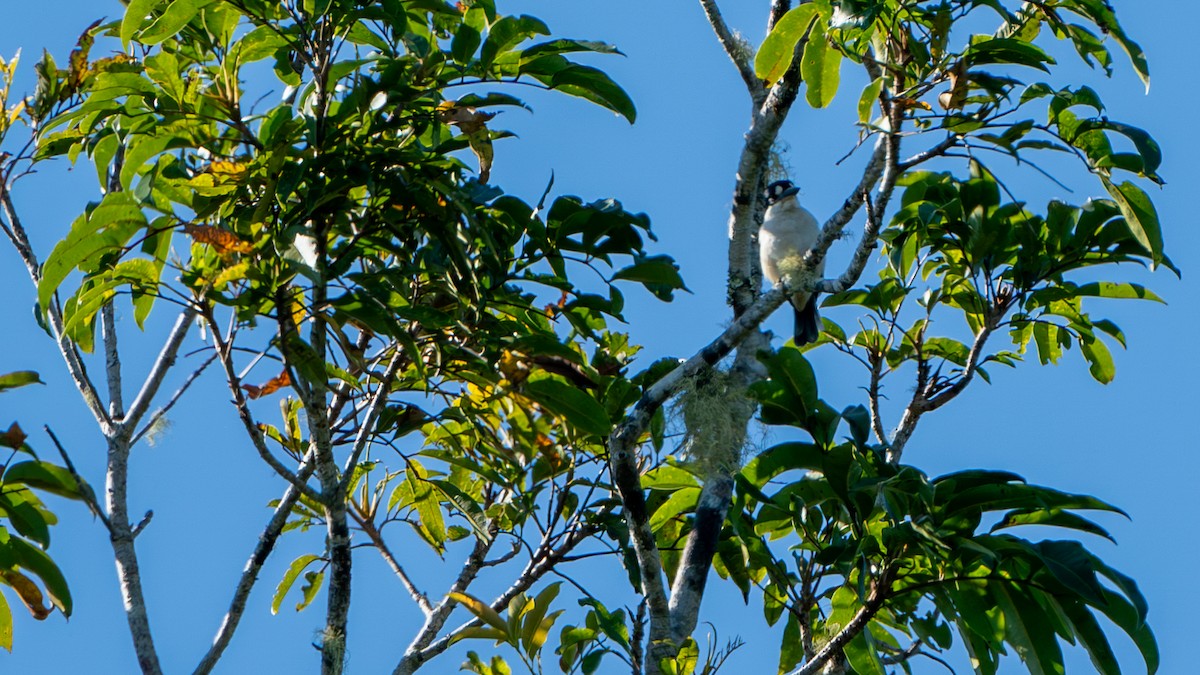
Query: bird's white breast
x=788 y=231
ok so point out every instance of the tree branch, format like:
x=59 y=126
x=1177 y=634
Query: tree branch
x=158 y=414
x=262 y=550
x=873 y=603
x=925 y=399
x=164 y=362
x=85 y=490
x=866 y=246
x=225 y=356
x=688 y=589
x=367 y=427
x=376 y=538
x=422 y=648
x=735 y=50
x=121 y=537
x=112 y=361
x=20 y=241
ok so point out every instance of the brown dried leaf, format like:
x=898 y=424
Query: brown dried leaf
x=222 y=240
x=270 y=387
x=14 y=437
x=78 y=63
x=911 y=103
x=31 y=596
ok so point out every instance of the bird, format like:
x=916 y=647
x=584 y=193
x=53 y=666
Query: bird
x=788 y=232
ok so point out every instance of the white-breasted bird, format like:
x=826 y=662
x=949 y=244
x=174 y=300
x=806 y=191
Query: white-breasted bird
x=788 y=232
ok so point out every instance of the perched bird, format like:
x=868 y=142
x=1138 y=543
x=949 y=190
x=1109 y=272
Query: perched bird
x=788 y=232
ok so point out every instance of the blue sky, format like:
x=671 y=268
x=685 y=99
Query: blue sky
x=1129 y=442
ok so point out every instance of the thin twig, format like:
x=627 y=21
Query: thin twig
x=158 y=414
x=367 y=428
x=224 y=355
x=85 y=490
x=142 y=524
x=376 y=538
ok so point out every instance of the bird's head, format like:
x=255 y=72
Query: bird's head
x=780 y=190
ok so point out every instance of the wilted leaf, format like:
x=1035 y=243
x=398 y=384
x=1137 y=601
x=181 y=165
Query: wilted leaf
x=222 y=240
x=270 y=386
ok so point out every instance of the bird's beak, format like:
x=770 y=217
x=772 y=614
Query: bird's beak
x=789 y=192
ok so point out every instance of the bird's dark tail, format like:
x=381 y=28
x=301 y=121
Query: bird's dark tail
x=808 y=322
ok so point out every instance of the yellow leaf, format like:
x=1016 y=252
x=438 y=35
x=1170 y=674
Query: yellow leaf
x=481 y=610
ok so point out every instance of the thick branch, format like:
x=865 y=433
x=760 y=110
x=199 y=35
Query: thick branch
x=688 y=589
x=121 y=538
x=112 y=361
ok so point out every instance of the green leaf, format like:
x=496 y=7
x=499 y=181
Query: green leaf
x=135 y=17
x=1009 y=50
x=789 y=368
x=1140 y=216
x=25 y=516
x=1128 y=619
x=289 y=578
x=1070 y=564
x=312 y=584
x=19 y=378
x=868 y=101
x=668 y=477
x=594 y=85
x=862 y=656
x=44 y=476
x=576 y=406
x=105 y=230
x=507 y=32
x=535 y=628
x=6 y=625
x=35 y=560
x=791 y=649
x=1110 y=289
x=1028 y=630
x=659 y=270
x=680 y=502
x=177 y=15
x=1051 y=518
x=821 y=68
x=1091 y=635
x=1100 y=361
x=431 y=523
x=468 y=37
x=778 y=50
x=781 y=458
